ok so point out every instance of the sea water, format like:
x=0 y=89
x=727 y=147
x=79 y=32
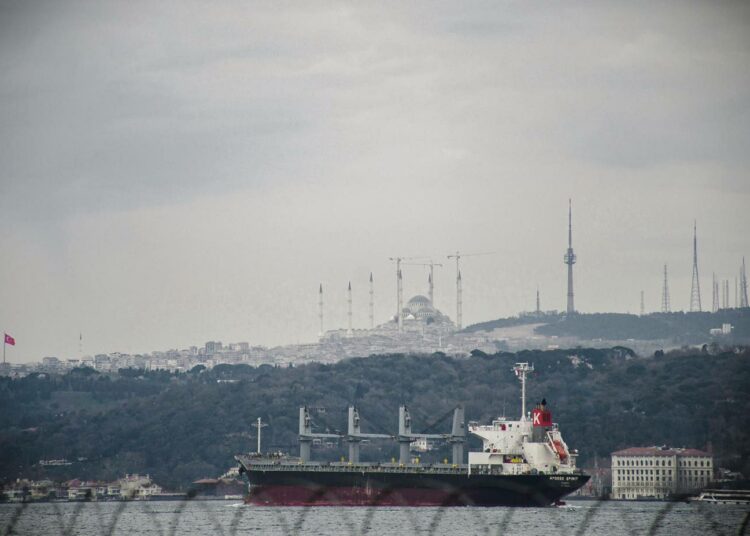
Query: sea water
x=609 y=518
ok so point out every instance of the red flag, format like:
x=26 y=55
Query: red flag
x=10 y=340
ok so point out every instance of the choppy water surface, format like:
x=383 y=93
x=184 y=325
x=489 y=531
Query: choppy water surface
x=220 y=517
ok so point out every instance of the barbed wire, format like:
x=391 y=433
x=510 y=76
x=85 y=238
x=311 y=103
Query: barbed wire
x=381 y=504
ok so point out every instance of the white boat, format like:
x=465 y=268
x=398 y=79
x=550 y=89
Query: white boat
x=723 y=496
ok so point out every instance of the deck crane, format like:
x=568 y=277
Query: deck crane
x=458 y=255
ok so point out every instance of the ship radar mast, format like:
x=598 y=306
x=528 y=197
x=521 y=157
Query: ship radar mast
x=521 y=370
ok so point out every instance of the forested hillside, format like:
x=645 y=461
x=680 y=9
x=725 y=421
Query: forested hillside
x=179 y=427
x=679 y=327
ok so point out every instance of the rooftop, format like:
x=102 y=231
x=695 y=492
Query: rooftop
x=660 y=451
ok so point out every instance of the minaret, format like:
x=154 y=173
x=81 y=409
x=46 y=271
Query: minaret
x=349 y=310
x=743 y=285
x=320 y=309
x=399 y=299
x=372 y=303
x=459 y=301
x=431 y=288
x=570 y=259
x=695 y=291
x=665 y=308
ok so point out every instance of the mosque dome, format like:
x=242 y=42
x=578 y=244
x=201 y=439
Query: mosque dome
x=420 y=307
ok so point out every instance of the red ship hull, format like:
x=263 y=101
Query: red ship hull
x=356 y=488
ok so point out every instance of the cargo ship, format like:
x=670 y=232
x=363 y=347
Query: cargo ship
x=523 y=462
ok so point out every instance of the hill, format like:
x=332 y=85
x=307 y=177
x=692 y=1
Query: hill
x=681 y=328
x=180 y=427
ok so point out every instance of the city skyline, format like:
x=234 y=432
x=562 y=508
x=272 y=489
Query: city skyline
x=172 y=175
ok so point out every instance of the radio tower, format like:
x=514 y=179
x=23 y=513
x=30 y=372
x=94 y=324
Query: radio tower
x=372 y=303
x=643 y=306
x=570 y=260
x=320 y=309
x=715 y=293
x=665 y=293
x=538 y=303
x=743 y=285
x=725 y=294
x=695 y=291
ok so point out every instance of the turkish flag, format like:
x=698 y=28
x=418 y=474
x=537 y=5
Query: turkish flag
x=10 y=340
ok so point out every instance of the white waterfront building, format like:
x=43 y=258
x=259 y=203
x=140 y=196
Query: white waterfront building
x=659 y=472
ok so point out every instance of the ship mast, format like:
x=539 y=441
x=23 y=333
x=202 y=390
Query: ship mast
x=521 y=370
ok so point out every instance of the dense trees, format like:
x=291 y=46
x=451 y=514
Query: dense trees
x=680 y=327
x=180 y=427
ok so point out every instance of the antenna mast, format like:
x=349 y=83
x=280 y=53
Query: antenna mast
x=521 y=370
x=695 y=291
x=714 y=293
x=259 y=424
x=665 y=308
x=743 y=285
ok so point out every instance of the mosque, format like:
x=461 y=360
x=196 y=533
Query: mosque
x=420 y=309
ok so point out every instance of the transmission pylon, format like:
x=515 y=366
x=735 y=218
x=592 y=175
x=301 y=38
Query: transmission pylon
x=695 y=291
x=665 y=307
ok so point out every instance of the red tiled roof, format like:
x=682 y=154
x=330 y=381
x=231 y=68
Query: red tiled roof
x=660 y=451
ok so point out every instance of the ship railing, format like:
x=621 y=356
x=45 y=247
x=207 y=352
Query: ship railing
x=371 y=467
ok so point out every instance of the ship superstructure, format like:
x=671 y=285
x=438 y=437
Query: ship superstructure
x=531 y=444
x=522 y=463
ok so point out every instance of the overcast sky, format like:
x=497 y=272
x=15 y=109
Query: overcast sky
x=172 y=173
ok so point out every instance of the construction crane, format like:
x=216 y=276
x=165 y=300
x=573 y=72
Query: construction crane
x=431 y=280
x=400 y=288
x=458 y=255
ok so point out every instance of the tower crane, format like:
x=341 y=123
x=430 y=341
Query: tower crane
x=400 y=288
x=459 y=291
x=431 y=280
